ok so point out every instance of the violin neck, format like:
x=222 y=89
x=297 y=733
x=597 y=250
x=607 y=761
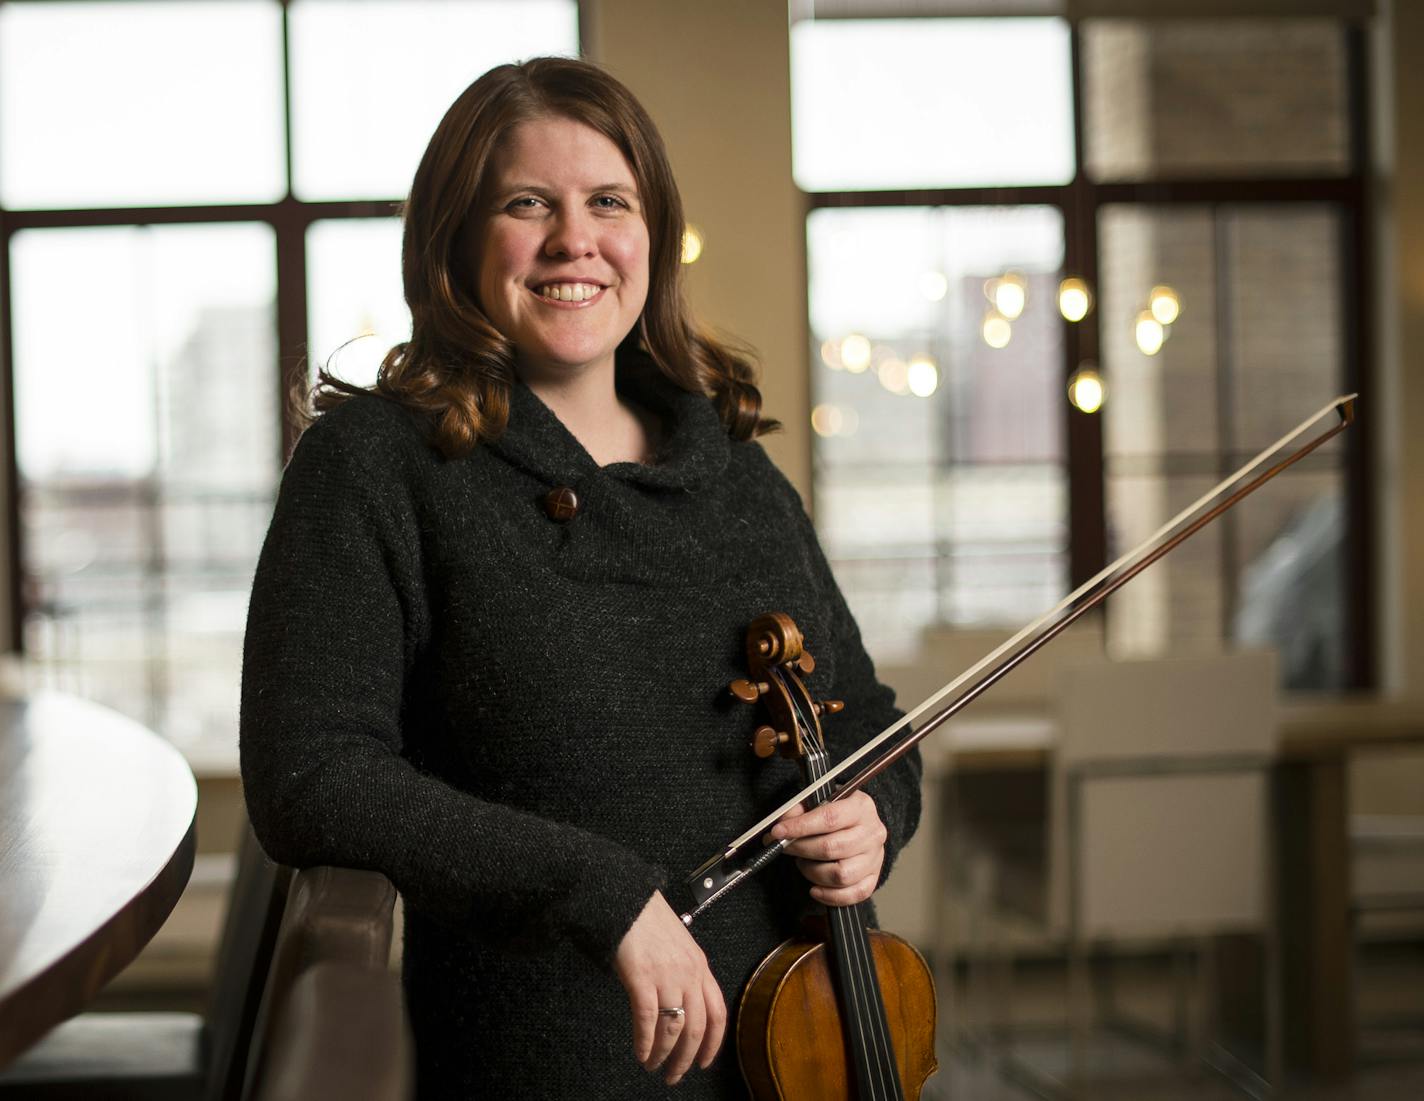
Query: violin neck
x=867 y=1031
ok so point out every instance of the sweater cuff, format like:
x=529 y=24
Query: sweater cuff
x=608 y=902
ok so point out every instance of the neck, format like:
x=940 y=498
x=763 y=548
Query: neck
x=587 y=404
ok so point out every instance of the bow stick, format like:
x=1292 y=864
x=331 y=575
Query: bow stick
x=721 y=873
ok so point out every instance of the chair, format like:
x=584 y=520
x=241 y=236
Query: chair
x=1160 y=823
x=162 y=1056
x=338 y=920
x=342 y=1035
x=980 y=841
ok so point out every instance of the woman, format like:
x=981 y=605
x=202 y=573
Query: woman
x=500 y=602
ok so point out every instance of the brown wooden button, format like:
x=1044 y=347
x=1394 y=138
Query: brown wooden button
x=562 y=504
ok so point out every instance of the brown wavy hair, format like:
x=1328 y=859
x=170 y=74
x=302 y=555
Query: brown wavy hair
x=457 y=368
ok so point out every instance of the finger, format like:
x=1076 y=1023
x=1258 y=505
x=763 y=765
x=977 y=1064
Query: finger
x=855 y=810
x=838 y=845
x=845 y=896
x=716 y=1022
x=666 y=1031
x=840 y=873
x=795 y=812
x=689 y=1040
x=644 y=1001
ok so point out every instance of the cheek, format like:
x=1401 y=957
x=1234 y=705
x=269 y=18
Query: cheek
x=630 y=253
x=501 y=260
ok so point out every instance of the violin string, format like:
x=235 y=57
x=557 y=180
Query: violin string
x=857 y=988
x=1066 y=603
x=854 y=944
x=851 y=942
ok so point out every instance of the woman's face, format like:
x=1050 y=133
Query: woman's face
x=563 y=258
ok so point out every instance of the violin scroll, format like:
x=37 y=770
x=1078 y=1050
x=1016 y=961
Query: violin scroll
x=777 y=659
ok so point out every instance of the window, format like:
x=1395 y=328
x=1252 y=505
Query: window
x=1221 y=188
x=166 y=271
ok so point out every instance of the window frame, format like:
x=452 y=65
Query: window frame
x=289 y=217
x=1080 y=201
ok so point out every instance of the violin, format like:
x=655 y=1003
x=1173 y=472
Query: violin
x=775 y=650
x=843 y=1010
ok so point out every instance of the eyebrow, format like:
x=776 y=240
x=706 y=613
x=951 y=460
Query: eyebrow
x=620 y=188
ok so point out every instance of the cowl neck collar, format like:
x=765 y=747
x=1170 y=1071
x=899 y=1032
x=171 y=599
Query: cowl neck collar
x=693 y=451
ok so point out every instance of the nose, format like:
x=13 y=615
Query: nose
x=571 y=234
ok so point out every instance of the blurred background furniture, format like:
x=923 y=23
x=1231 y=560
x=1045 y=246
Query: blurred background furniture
x=332 y=1022
x=1158 y=837
x=141 y=1056
x=303 y=1004
x=342 y=1035
x=985 y=837
x=76 y=907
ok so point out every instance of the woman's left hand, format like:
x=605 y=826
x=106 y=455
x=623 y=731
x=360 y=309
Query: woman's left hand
x=839 y=847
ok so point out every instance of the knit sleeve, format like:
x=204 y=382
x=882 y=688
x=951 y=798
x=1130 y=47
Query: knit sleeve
x=336 y=622
x=870 y=705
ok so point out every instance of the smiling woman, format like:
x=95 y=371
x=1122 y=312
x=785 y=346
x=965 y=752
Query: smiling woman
x=563 y=272
x=459 y=364
x=499 y=603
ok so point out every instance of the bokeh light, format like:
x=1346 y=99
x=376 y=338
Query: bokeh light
x=923 y=376
x=1074 y=299
x=1086 y=390
x=855 y=353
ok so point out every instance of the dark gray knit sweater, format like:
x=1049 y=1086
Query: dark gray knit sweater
x=525 y=724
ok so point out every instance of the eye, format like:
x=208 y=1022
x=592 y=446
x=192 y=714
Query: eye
x=523 y=204
x=610 y=202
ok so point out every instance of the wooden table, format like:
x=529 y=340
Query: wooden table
x=96 y=845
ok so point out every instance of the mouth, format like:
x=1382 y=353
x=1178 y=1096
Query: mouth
x=571 y=293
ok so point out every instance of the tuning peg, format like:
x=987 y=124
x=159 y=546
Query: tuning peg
x=806 y=663
x=748 y=691
x=830 y=707
x=766 y=741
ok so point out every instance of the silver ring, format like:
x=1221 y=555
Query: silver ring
x=676 y=1012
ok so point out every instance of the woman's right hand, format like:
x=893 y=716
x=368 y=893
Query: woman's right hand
x=661 y=967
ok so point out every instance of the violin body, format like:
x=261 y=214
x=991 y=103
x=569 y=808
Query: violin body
x=844 y=1011
x=791 y=1042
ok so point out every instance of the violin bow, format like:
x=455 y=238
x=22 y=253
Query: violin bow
x=724 y=871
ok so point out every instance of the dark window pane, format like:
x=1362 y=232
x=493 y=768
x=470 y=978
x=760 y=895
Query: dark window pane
x=1198 y=98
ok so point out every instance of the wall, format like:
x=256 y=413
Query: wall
x=716 y=79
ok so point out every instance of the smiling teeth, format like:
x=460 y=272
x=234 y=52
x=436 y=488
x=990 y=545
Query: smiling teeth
x=570 y=292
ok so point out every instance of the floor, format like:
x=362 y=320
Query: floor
x=1131 y=1060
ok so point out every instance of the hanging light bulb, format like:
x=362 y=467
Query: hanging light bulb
x=855 y=353
x=923 y=376
x=691 y=244
x=934 y=286
x=1149 y=333
x=1074 y=298
x=827 y=420
x=1010 y=294
x=1166 y=307
x=894 y=375
x=1086 y=389
x=996 y=330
